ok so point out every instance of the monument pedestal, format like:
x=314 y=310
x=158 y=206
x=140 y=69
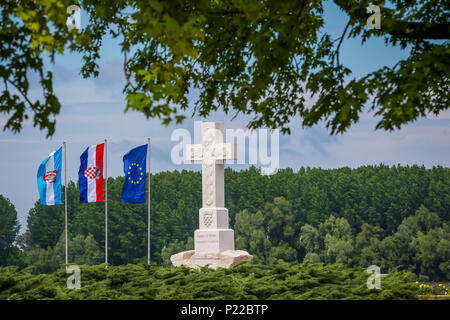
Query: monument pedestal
x=213 y=241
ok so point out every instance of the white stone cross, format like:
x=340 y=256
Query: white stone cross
x=213 y=234
x=214 y=240
x=212 y=153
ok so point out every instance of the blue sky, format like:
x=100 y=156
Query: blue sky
x=93 y=109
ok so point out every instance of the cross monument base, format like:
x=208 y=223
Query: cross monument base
x=224 y=259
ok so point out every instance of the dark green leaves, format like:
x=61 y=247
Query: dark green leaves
x=264 y=59
x=243 y=282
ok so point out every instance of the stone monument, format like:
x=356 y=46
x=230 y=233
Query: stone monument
x=214 y=240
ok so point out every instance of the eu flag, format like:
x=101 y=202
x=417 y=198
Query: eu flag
x=134 y=167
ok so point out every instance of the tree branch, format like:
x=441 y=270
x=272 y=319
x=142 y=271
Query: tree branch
x=336 y=53
x=22 y=93
x=398 y=28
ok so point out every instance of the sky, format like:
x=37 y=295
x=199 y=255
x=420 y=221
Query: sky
x=93 y=110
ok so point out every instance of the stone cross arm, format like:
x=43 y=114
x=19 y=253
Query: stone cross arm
x=220 y=152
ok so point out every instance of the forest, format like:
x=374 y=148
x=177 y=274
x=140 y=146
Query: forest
x=395 y=217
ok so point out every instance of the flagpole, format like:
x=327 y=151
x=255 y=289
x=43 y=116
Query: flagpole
x=106 y=204
x=65 y=200
x=148 y=225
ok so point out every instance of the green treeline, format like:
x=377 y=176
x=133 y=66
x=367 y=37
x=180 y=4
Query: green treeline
x=394 y=217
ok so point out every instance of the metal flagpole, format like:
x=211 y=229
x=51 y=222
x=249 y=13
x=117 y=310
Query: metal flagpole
x=106 y=204
x=148 y=224
x=65 y=200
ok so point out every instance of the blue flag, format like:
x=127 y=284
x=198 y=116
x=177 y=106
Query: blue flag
x=49 y=179
x=134 y=166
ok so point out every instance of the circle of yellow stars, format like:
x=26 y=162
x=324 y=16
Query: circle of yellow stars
x=140 y=173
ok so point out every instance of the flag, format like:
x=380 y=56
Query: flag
x=90 y=175
x=49 y=179
x=134 y=166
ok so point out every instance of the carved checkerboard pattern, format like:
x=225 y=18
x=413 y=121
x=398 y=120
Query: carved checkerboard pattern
x=207 y=220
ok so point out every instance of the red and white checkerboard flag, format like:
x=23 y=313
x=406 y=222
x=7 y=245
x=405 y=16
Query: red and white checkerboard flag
x=90 y=175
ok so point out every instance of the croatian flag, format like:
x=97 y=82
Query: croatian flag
x=49 y=179
x=90 y=175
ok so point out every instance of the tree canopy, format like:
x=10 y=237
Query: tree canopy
x=263 y=58
x=9 y=230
